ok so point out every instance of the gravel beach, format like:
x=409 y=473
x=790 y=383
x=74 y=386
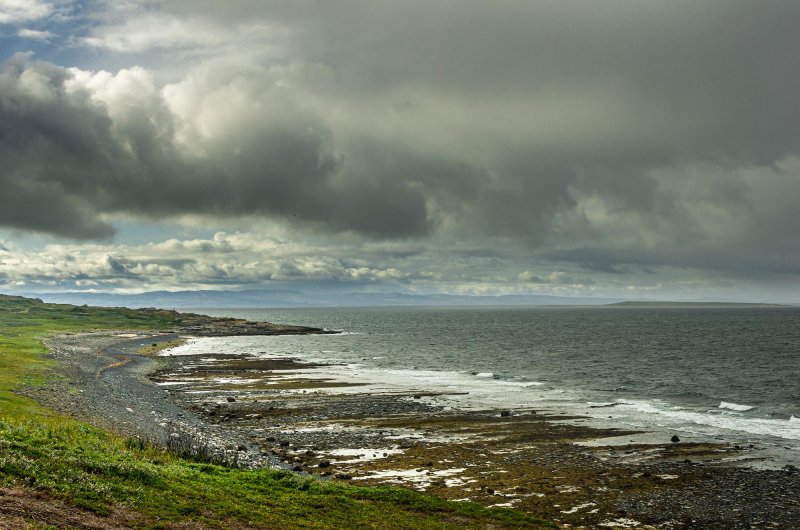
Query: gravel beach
x=282 y=412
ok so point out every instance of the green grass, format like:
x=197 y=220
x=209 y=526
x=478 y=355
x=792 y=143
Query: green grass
x=100 y=472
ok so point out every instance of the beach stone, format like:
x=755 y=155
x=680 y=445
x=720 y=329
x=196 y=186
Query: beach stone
x=675 y=438
x=230 y=399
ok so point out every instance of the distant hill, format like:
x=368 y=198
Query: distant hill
x=691 y=304
x=289 y=298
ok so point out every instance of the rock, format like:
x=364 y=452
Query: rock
x=241 y=448
x=675 y=438
x=505 y=413
x=297 y=468
x=343 y=476
x=324 y=464
x=230 y=399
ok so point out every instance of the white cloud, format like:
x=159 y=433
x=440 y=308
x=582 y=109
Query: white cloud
x=16 y=11
x=33 y=34
x=147 y=31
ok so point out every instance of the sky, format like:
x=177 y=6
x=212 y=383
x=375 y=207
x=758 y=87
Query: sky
x=606 y=148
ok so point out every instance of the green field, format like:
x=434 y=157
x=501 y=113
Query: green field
x=100 y=474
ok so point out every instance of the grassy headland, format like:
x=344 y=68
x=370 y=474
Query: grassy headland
x=96 y=476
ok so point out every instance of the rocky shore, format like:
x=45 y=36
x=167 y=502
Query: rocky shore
x=281 y=411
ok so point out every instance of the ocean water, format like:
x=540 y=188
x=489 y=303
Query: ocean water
x=728 y=374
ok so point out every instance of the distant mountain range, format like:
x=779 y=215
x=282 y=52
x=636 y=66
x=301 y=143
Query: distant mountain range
x=290 y=298
x=286 y=298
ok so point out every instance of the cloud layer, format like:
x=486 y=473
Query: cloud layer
x=604 y=135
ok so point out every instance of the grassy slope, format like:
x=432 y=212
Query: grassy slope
x=95 y=470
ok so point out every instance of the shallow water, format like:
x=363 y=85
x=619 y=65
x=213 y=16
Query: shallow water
x=719 y=373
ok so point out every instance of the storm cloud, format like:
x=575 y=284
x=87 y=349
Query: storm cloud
x=76 y=145
x=600 y=134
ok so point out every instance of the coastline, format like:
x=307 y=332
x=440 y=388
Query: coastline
x=522 y=458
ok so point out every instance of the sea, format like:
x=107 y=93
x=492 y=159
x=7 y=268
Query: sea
x=727 y=374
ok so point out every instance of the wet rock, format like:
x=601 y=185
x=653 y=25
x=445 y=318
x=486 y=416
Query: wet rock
x=230 y=399
x=675 y=438
x=505 y=413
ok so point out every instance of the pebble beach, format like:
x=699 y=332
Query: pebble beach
x=285 y=412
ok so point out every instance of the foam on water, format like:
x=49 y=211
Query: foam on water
x=723 y=374
x=711 y=421
x=483 y=389
x=734 y=406
x=465 y=391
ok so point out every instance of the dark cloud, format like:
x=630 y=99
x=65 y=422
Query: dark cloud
x=53 y=147
x=116 y=266
x=66 y=160
x=618 y=136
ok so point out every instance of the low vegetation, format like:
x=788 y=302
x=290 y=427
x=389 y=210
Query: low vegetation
x=103 y=475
